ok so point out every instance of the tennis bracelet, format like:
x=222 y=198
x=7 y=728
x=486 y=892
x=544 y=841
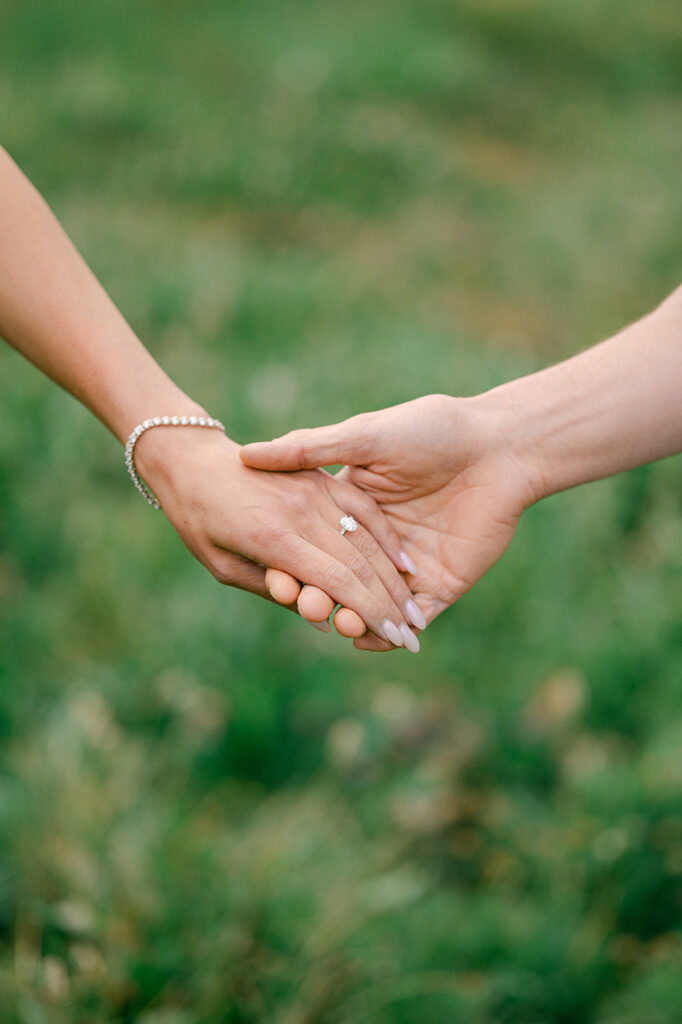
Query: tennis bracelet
x=160 y=421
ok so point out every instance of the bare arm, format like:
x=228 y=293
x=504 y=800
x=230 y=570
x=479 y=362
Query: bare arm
x=454 y=475
x=233 y=519
x=615 y=406
x=55 y=312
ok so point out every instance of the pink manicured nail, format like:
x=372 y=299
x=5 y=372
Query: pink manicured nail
x=324 y=627
x=409 y=639
x=392 y=633
x=415 y=614
x=408 y=564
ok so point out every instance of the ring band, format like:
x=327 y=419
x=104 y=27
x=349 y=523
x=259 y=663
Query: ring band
x=347 y=524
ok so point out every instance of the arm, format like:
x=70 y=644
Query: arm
x=454 y=475
x=608 y=409
x=234 y=520
x=55 y=312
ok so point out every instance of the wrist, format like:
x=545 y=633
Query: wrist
x=164 y=455
x=158 y=396
x=512 y=433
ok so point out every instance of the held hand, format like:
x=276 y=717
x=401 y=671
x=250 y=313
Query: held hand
x=448 y=480
x=236 y=520
x=313 y=605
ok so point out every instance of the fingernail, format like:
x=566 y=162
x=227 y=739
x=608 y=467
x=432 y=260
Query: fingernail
x=415 y=614
x=392 y=633
x=409 y=639
x=407 y=563
x=324 y=627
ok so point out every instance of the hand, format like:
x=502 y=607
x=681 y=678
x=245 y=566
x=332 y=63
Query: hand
x=444 y=474
x=236 y=520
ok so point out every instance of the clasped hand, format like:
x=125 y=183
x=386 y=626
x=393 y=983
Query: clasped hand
x=237 y=521
x=436 y=490
x=444 y=475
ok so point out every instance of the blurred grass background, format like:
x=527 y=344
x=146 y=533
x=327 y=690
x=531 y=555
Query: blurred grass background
x=209 y=812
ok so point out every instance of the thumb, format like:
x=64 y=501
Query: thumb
x=347 y=443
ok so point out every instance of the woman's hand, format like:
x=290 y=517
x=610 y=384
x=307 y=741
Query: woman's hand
x=236 y=520
x=442 y=471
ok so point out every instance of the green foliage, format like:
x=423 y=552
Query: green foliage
x=209 y=812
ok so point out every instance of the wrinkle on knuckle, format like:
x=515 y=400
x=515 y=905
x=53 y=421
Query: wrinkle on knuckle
x=334 y=577
x=260 y=519
x=299 y=457
x=296 y=448
x=364 y=444
x=265 y=530
x=276 y=537
x=359 y=567
x=221 y=574
x=367 y=504
x=366 y=544
x=296 y=504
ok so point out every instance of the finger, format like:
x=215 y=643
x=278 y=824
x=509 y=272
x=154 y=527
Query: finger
x=370 y=642
x=344 y=578
x=348 y=623
x=365 y=509
x=314 y=605
x=282 y=587
x=285 y=590
x=363 y=540
x=236 y=571
x=361 y=554
x=347 y=442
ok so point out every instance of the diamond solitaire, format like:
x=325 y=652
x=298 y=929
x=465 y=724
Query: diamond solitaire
x=347 y=524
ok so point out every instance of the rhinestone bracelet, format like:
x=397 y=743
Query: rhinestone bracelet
x=160 y=421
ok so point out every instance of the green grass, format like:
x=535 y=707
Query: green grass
x=210 y=814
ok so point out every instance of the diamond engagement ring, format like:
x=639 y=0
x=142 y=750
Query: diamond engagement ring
x=347 y=524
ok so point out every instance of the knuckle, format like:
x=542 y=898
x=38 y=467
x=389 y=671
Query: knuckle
x=297 y=503
x=296 y=444
x=362 y=427
x=366 y=544
x=275 y=536
x=359 y=567
x=265 y=528
x=259 y=519
x=367 y=505
x=335 y=577
x=298 y=456
x=220 y=573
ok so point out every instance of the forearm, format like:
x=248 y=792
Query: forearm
x=55 y=312
x=606 y=410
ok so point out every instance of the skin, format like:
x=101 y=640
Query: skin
x=454 y=475
x=235 y=520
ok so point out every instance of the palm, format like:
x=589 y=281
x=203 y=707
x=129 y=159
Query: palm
x=456 y=528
